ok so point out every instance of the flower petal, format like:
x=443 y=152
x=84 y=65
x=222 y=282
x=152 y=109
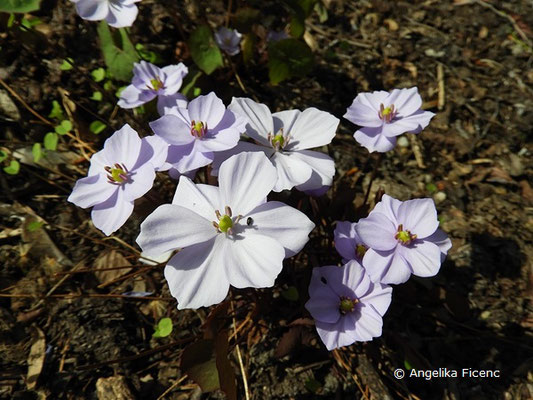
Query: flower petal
x=254 y=261
x=143 y=73
x=388 y=206
x=323 y=303
x=141 y=181
x=123 y=147
x=202 y=199
x=172 y=227
x=442 y=240
x=245 y=180
x=167 y=103
x=373 y=140
x=323 y=168
x=290 y=171
x=281 y=222
x=259 y=119
x=346 y=239
x=174 y=77
x=111 y=214
x=398 y=270
x=362 y=115
x=418 y=216
x=207 y=109
x=372 y=100
x=196 y=276
x=121 y=15
x=369 y=324
x=355 y=279
x=92 y=10
x=379 y=297
x=190 y=158
x=406 y=101
x=284 y=120
x=224 y=136
x=386 y=267
x=313 y=128
x=132 y=97
x=338 y=334
x=377 y=232
x=423 y=257
x=172 y=130
x=241 y=147
x=154 y=150
x=91 y=190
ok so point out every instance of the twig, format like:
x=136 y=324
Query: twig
x=26 y=105
x=174 y=385
x=239 y=357
x=372 y=177
x=441 y=99
x=74 y=296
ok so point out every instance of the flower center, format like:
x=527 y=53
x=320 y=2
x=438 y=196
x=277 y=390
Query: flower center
x=198 y=129
x=117 y=174
x=405 y=237
x=360 y=251
x=278 y=141
x=156 y=84
x=387 y=114
x=347 y=305
x=225 y=222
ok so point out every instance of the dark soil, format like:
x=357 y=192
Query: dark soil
x=474 y=160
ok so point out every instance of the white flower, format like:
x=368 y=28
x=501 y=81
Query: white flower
x=228 y=235
x=285 y=138
x=117 y=13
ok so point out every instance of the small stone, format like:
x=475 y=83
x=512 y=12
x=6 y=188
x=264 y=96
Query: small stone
x=485 y=314
x=439 y=197
x=403 y=142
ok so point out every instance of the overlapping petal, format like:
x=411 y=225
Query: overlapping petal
x=111 y=214
x=91 y=190
x=260 y=123
x=312 y=128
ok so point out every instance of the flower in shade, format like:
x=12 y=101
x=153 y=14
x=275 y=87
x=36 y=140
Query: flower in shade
x=121 y=172
x=348 y=243
x=346 y=305
x=197 y=132
x=285 y=138
x=383 y=116
x=403 y=239
x=150 y=81
x=228 y=40
x=228 y=235
x=117 y=13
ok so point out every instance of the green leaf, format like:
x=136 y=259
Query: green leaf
x=57 y=111
x=108 y=85
x=322 y=11
x=119 y=91
x=204 y=51
x=199 y=362
x=64 y=127
x=291 y=294
x=196 y=92
x=248 y=45
x=164 y=328
x=33 y=226
x=297 y=26
x=37 y=152
x=50 y=141
x=97 y=126
x=13 y=168
x=288 y=58
x=244 y=18
x=98 y=74
x=312 y=385
x=189 y=82
x=407 y=365
x=119 y=53
x=97 y=96
x=67 y=64
x=431 y=187
x=3 y=155
x=19 y=6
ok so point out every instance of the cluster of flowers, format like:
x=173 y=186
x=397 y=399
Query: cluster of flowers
x=230 y=234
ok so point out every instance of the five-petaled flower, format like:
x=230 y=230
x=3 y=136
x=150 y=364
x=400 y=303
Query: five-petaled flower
x=117 y=13
x=121 y=172
x=346 y=305
x=285 y=138
x=403 y=239
x=228 y=40
x=195 y=133
x=228 y=235
x=383 y=116
x=150 y=81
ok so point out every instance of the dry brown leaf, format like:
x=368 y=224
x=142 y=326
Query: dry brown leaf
x=113 y=388
x=36 y=359
x=111 y=259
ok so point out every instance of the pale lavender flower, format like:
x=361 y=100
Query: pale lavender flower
x=403 y=239
x=346 y=305
x=121 y=172
x=275 y=36
x=150 y=81
x=196 y=133
x=228 y=235
x=383 y=116
x=228 y=40
x=348 y=243
x=285 y=138
x=117 y=13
